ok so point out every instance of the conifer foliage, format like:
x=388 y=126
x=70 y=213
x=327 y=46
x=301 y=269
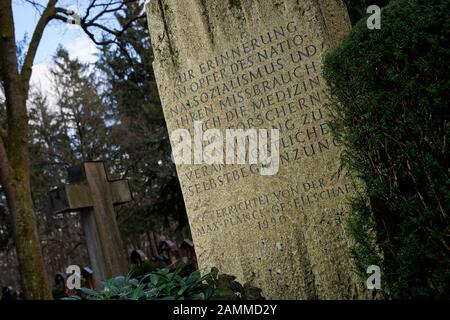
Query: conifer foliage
x=390 y=105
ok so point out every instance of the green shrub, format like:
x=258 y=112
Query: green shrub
x=163 y=284
x=389 y=90
x=57 y=293
x=145 y=268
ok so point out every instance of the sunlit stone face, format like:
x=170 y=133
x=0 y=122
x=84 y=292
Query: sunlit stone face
x=257 y=65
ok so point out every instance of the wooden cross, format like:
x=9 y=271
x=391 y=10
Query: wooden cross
x=92 y=194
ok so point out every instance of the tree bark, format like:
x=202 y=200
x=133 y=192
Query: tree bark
x=153 y=244
x=15 y=165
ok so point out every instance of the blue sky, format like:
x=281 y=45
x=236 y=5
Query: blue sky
x=57 y=33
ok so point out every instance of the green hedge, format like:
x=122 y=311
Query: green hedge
x=389 y=91
x=180 y=284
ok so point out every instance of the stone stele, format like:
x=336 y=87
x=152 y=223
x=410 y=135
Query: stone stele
x=257 y=64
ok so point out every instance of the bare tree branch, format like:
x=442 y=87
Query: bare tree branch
x=34 y=44
x=38 y=6
x=109 y=36
x=91 y=23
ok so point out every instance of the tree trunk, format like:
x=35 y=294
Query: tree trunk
x=152 y=243
x=15 y=166
x=31 y=265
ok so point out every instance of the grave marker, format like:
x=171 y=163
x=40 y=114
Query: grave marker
x=256 y=64
x=90 y=192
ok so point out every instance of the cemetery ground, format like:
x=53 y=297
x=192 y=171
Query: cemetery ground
x=226 y=150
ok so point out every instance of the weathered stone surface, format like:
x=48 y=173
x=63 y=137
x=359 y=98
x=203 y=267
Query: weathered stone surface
x=92 y=194
x=257 y=64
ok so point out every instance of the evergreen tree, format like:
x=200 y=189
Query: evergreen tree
x=390 y=89
x=130 y=85
x=85 y=119
x=357 y=9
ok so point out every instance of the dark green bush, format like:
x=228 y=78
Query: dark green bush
x=145 y=268
x=389 y=91
x=163 y=284
x=57 y=293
